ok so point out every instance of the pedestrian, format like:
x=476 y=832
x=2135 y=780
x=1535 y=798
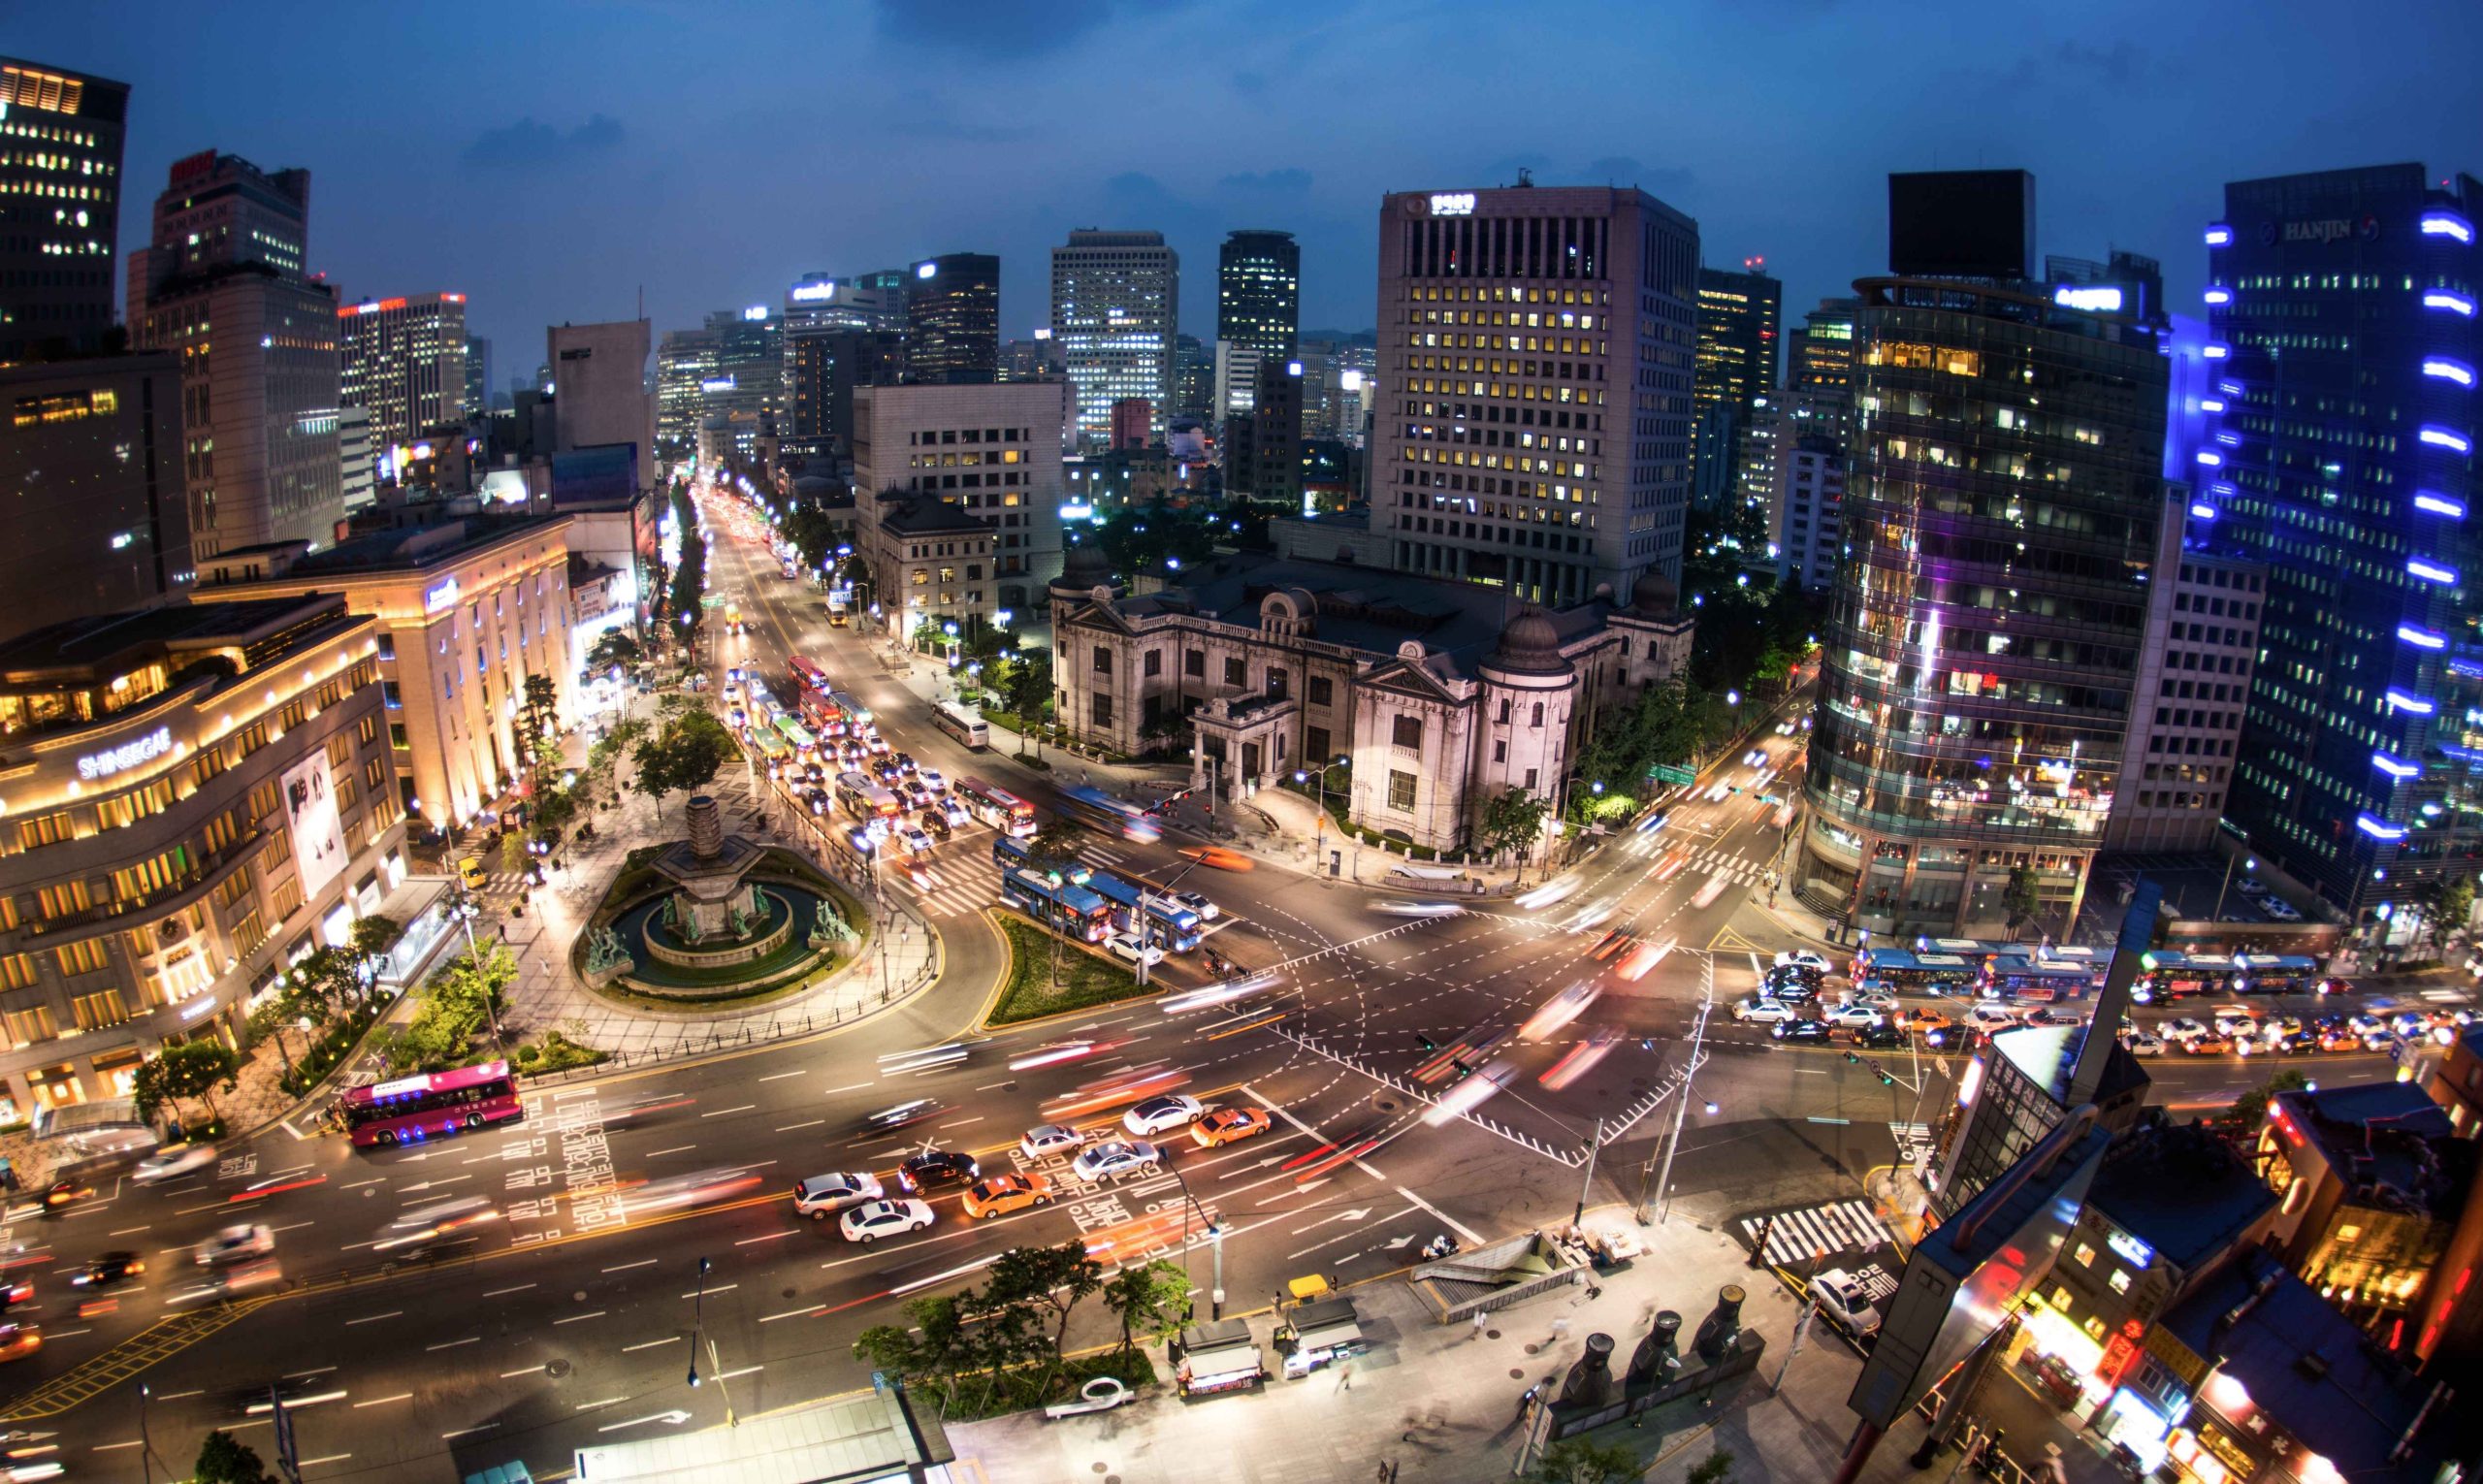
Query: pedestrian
x=1480 y=1321
x=1525 y=1402
x=1345 y=1376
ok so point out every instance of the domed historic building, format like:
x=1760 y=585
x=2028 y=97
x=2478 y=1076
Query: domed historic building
x=1442 y=695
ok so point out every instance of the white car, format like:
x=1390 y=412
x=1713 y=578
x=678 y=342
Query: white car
x=1841 y=1302
x=822 y=1196
x=954 y=812
x=1161 y=1114
x=2146 y=1044
x=2235 y=1020
x=2183 y=1030
x=875 y=1220
x=1802 y=958
x=1852 y=1016
x=2279 y=909
x=917 y=840
x=1990 y=1017
x=1718 y=790
x=1880 y=1000
x=1127 y=947
x=1207 y=911
x=172 y=1160
x=1046 y=1140
x=1762 y=1011
x=930 y=779
x=1755 y=757
x=234 y=1245
x=1115 y=1160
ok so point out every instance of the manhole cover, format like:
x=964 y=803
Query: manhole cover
x=1518 y=1373
x=1386 y=1103
x=788 y=1293
x=1491 y=1333
x=579 y=1295
x=556 y=1368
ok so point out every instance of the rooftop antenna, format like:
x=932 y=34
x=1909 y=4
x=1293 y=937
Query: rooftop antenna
x=1524 y=177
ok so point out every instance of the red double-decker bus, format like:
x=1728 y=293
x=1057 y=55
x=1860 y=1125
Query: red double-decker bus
x=430 y=1105
x=810 y=698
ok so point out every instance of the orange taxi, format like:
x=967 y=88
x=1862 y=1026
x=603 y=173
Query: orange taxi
x=1002 y=1194
x=1218 y=856
x=1922 y=1022
x=1224 y=1125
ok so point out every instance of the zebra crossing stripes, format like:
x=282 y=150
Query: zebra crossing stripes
x=1733 y=868
x=956 y=886
x=1795 y=1236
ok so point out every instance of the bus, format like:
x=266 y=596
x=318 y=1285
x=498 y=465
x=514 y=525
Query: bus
x=792 y=731
x=967 y=726
x=865 y=800
x=998 y=808
x=808 y=680
x=855 y=716
x=1095 y=809
x=2040 y=979
x=2280 y=973
x=2165 y=976
x=1897 y=971
x=773 y=750
x=1068 y=909
x=413 y=1109
x=1009 y=853
x=1171 y=927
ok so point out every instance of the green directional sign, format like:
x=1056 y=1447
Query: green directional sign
x=711 y=600
x=1664 y=772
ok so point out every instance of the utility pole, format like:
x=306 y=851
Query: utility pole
x=1681 y=1106
x=1594 y=1142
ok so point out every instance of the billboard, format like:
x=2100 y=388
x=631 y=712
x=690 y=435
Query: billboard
x=311 y=809
x=1962 y=223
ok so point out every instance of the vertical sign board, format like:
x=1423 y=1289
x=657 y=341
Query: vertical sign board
x=311 y=809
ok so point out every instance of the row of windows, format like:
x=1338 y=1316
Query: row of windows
x=948 y=435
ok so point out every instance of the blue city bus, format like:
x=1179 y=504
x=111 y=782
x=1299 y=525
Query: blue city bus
x=2041 y=980
x=1071 y=911
x=1095 y=809
x=1173 y=927
x=1009 y=853
x=1899 y=972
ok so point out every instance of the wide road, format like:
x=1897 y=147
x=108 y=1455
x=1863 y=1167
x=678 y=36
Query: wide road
x=567 y=1320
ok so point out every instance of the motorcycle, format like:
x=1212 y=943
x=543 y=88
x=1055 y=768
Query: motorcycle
x=1440 y=1247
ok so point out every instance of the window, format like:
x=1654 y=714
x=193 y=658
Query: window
x=286 y=898
x=44 y=829
x=2349 y=1233
x=1504 y=710
x=264 y=797
x=1314 y=746
x=1194 y=664
x=135 y=805
x=25 y=1025
x=1529 y=780
x=1400 y=792
x=17 y=971
x=2085 y=1254
x=375 y=773
x=339 y=750
x=80 y=957
x=253 y=737
x=1276 y=682
x=150 y=876
x=1407 y=732
x=1103 y=659
x=1154 y=662
x=94 y=1011
x=1321 y=691
x=2120 y=1281
x=1499 y=752
x=233 y=887
x=208 y=762
x=62 y=899
x=2060 y=1297
x=250 y=934
x=1236 y=673
x=221 y=831
x=1103 y=711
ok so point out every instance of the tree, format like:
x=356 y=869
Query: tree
x=1716 y=1468
x=1026 y=688
x=614 y=646
x=1150 y=1299
x=686 y=755
x=2250 y=1110
x=458 y=1005
x=928 y=1351
x=186 y=1069
x=1049 y=1278
x=223 y=1459
x=2452 y=905
x=2023 y=898
x=1588 y=1461
x=539 y=725
x=1513 y=821
x=1054 y=847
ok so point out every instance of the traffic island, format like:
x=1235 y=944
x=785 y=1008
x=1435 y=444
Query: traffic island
x=1050 y=975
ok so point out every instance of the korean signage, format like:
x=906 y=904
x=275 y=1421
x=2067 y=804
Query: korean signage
x=443 y=595
x=1452 y=204
x=129 y=754
x=318 y=837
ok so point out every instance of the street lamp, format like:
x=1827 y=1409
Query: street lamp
x=698 y=1333
x=1145 y=924
x=2252 y=864
x=463 y=906
x=1215 y=1239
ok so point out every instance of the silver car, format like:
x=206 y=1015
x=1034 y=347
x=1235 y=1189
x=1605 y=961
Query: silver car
x=1115 y=1160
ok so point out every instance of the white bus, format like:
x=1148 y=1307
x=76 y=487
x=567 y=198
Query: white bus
x=967 y=726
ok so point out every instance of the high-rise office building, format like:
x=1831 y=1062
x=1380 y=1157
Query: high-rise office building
x=1115 y=306
x=60 y=139
x=599 y=390
x=1258 y=311
x=1819 y=355
x=404 y=362
x=685 y=362
x=1737 y=323
x=90 y=474
x=357 y=463
x=990 y=451
x=2000 y=522
x=1193 y=377
x=1263 y=446
x=478 y=376
x=1035 y=357
x=953 y=318
x=2339 y=452
x=1536 y=350
x=1236 y=378
x=221 y=285
x=821 y=369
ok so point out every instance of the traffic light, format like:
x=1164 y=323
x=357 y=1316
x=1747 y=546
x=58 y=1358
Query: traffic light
x=1853 y=1056
x=1887 y=1079
x=1425 y=1042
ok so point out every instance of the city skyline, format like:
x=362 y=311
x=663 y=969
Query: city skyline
x=572 y=151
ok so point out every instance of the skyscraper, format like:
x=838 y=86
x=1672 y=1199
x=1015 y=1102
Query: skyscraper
x=1536 y=366
x=90 y=474
x=599 y=390
x=2000 y=521
x=221 y=284
x=61 y=136
x=404 y=362
x=685 y=362
x=1737 y=323
x=1115 y=306
x=838 y=333
x=1258 y=311
x=953 y=318
x=478 y=376
x=2342 y=431
x=1820 y=353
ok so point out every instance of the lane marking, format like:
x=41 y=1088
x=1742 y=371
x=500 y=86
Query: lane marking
x=649 y=1344
x=724 y=1111
x=454 y=1343
x=575 y=1318
x=403 y=1395
x=394 y=1313
x=496 y=1292
x=679 y=1148
x=643 y=1262
x=778 y=1075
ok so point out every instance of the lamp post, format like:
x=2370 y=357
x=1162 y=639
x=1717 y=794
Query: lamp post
x=1146 y=925
x=2251 y=865
x=697 y=1335
x=1215 y=1240
x=1319 y=826
x=1681 y=1107
x=463 y=906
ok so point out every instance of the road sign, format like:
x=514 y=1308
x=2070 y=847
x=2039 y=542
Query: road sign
x=1664 y=772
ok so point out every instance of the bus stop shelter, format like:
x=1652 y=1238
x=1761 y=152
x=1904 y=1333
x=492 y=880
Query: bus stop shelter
x=861 y=1438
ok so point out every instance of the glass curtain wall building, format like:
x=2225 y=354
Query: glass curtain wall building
x=2000 y=520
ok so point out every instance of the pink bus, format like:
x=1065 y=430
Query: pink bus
x=427 y=1106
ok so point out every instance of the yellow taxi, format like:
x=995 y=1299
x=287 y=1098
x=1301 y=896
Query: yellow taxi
x=470 y=870
x=1002 y=1194
x=1225 y=1125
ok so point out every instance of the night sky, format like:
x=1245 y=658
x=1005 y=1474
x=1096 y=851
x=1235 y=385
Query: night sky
x=550 y=159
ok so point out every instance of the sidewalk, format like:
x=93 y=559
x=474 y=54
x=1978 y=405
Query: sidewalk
x=1439 y=1403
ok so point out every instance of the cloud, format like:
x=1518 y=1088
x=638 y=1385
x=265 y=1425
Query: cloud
x=1624 y=169
x=1011 y=29
x=2121 y=65
x=1283 y=182
x=530 y=144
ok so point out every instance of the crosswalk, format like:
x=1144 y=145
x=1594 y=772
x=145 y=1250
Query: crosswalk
x=1736 y=870
x=959 y=878
x=1794 y=1237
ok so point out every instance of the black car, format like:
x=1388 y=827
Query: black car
x=1880 y=1037
x=1793 y=991
x=938 y=1167
x=934 y=823
x=1801 y=1032
x=111 y=1269
x=903 y=763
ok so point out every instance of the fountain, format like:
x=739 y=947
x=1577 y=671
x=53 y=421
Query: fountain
x=715 y=916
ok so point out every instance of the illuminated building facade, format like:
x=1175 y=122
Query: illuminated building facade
x=1537 y=367
x=953 y=318
x=1258 y=311
x=2339 y=452
x=991 y=450
x=60 y=143
x=197 y=795
x=405 y=364
x=1737 y=327
x=90 y=472
x=1115 y=311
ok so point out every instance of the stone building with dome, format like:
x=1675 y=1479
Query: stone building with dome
x=1441 y=695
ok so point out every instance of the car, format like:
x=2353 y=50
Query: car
x=1207 y=910
x=1654 y=821
x=2234 y=1020
x=2279 y=1026
x=1755 y=757
x=917 y=840
x=822 y=1196
x=2184 y=1028
x=933 y=822
x=1127 y=947
x=2293 y=1044
x=862 y=841
x=469 y=873
x=732 y=690
x=1046 y=1140
x=2208 y=1045
x=1790 y=991
x=1002 y=1194
x=1115 y=1159
x=1922 y=1022
x=903 y=763
x=1853 y=1017
x=1161 y=1115
x=107 y=1271
x=904 y=1113
x=937 y=1167
x=234 y=1245
x=1716 y=792
x=955 y=813
x=2408 y=1023
x=18 y=1341
x=875 y=744
x=1762 y=1010
x=2282 y=910
x=915 y=795
x=1802 y=1032
x=930 y=779
x=1990 y=1017
x=1841 y=1300
x=2146 y=1044
x=1880 y=1000
x=1880 y=1037
x=1801 y=959
x=1226 y=1126
x=875 y=1220
x=172 y=1160
x=1219 y=857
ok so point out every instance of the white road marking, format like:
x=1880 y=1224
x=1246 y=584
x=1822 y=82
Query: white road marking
x=679 y=1148
x=790 y=1127
x=480 y=1427
x=790 y=1314
x=403 y=1395
x=1472 y=1237
x=454 y=1343
x=723 y=1111
x=528 y=1371
x=574 y=1319
x=649 y=1344
x=776 y=1076
x=833 y=1091
x=770 y=1237
x=719 y=1289
x=394 y=1313
x=643 y=1262
x=496 y=1292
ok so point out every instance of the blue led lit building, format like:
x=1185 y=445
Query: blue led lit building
x=2339 y=450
